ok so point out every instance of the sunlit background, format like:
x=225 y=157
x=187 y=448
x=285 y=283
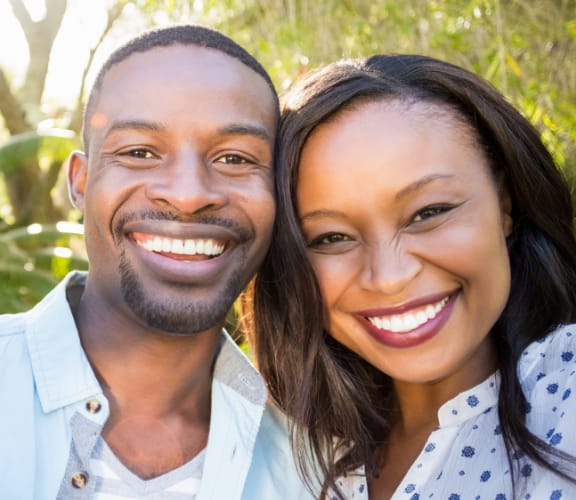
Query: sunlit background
x=527 y=49
x=83 y=23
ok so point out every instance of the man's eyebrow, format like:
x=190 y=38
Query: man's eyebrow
x=233 y=129
x=135 y=125
x=419 y=184
x=246 y=129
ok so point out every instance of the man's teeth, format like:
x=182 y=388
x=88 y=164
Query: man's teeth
x=400 y=323
x=183 y=247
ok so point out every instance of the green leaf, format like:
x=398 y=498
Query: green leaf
x=52 y=145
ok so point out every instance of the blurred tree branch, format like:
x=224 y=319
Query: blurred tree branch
x=10 y=108
x=40 y=36
x=28 y=184
x=114 y=13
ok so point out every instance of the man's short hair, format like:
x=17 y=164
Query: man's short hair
x=199 y=36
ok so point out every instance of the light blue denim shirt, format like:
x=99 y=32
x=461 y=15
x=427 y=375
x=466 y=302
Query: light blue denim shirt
x=53 y=410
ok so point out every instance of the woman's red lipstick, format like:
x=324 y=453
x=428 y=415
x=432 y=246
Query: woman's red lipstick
x=420 y=333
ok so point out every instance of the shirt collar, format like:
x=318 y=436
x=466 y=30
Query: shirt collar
x=468 y=404
x=62 y=372
x=64 y=376
x=233 y=369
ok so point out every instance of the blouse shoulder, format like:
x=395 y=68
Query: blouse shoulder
x=555 y=353
x=547 y=372
x=353 y=486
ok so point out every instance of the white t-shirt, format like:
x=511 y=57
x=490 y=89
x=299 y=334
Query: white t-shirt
x=114 y=481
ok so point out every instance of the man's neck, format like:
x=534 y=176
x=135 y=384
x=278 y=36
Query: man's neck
x=131 y=359
x=158 y=386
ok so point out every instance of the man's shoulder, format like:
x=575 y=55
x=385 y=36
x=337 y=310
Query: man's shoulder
x=15 y=360
x=12 y=325
x=273 y=440
x=17 y=329
x=274 y=421
x=13 y=345
x=274 y=458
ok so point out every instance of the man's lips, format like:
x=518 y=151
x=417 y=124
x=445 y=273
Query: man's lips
x=184 y=252
x=180 y=248
x=408 y=317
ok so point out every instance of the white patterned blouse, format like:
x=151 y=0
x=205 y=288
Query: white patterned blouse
x=465 y=458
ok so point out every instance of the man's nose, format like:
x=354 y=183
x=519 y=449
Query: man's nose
x=188 y=183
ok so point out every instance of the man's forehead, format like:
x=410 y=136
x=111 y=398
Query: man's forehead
x=189 y=71
x=154 y=76
x=149 y=86
x=180 y=59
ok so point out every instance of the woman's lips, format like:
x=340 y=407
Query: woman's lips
x=409 y=325
x=407 y=321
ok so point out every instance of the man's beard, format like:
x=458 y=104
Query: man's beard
x=181 y=314
x=175 y=314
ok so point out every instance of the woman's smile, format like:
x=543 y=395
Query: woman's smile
x=412 y=327
x=402 y=322
x=413 y=265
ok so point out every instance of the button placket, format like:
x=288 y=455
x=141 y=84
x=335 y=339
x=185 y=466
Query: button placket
x=93 y=406
x=79 y=479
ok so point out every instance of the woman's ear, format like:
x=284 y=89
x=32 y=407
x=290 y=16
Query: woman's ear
x=77 y=173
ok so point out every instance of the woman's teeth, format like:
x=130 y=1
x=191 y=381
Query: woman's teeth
x=405 y=322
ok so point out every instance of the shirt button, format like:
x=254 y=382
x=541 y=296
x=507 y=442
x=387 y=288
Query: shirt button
x=79 y=480
x=93 y=406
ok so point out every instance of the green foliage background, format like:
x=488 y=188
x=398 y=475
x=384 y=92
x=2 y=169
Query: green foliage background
x=527 y=49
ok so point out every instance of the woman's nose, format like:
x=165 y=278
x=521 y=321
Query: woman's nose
x=389 y=268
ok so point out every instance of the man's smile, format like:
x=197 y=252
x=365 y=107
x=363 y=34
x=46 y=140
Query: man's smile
x=178 y=247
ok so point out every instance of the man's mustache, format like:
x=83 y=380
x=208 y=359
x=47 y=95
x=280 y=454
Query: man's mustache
x=242 y=232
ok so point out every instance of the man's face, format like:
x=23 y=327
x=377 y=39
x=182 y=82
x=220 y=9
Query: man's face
x=176 y=189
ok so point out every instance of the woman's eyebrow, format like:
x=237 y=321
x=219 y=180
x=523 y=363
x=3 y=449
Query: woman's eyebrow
x=323 y=214
x=419 y=184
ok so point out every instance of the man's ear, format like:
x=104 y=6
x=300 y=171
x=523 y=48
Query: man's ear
x=77 y=173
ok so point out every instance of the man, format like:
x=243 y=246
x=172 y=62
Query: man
x=121 y=383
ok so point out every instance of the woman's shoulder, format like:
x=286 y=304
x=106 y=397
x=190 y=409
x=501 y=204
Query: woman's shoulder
x=547 y=373
x=353 y=485
x=556 y=352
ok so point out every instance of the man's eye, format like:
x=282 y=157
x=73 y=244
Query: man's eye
x=141 y=153
x=232 y=159
x=429 y=212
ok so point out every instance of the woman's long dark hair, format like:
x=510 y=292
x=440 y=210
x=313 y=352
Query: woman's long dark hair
x=341 y=406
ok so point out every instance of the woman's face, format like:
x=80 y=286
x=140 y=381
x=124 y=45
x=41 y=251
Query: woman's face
x=407 y=233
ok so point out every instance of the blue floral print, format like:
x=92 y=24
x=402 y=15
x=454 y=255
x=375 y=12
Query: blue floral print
x=465 y=457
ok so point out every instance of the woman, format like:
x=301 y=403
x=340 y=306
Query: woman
x=408 y=314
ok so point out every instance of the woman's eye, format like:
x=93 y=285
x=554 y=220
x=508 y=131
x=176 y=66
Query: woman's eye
x=429 y=212
x=328 y=239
